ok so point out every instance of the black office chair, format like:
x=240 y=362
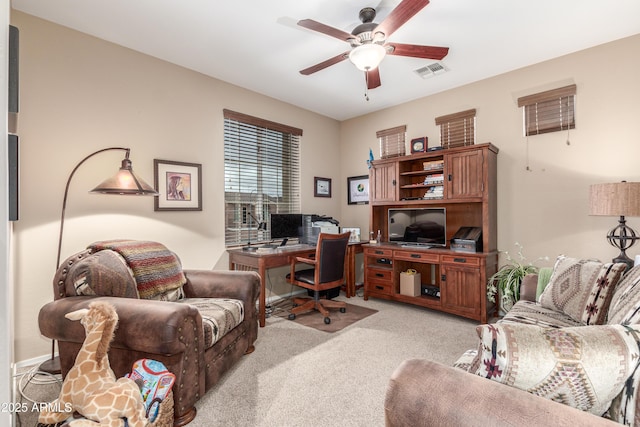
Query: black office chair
x=328 y=273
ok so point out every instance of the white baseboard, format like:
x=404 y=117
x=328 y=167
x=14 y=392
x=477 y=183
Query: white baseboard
x=277 y=298
x=33 y=361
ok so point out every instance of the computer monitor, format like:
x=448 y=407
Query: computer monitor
x=286 y=226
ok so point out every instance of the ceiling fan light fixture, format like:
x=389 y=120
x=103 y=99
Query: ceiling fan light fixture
x=368 y=56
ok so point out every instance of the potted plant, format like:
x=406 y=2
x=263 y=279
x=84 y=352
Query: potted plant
x=505 y=283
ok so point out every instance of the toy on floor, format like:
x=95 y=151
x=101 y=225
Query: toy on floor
x=90 y=387
x=156 y=384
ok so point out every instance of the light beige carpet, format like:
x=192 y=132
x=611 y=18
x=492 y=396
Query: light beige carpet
x=300 y=376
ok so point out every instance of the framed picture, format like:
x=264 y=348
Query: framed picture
x=419 y=145
x=358 y=190
x=179 y=185
x=321 y=187
x=355 y=233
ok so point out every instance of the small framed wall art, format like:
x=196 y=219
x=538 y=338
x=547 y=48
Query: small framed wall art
x=179 y=185
x=419 y=145
x=321 y=187
x=358 y=190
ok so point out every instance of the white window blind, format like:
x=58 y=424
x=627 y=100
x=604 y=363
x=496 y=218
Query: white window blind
x=392 y=141
x=457 y=129
x=261 y=173
x=550 y=111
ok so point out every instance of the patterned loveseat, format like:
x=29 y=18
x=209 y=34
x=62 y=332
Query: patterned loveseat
x=566 y=354
x=198 y=323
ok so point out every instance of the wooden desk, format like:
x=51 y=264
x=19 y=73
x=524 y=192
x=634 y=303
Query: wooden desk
x=245 y=260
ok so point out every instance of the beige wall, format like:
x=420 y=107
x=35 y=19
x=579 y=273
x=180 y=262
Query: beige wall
x=80 y=94
x=543 y=208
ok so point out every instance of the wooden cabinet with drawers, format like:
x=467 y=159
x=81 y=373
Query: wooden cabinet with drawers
x=461 y=279
x=463 y=182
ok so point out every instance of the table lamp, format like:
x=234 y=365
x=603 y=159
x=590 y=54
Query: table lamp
x=124 y=182
x=617 y=199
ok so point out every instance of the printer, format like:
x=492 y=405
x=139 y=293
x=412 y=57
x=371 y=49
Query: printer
x=313 y=225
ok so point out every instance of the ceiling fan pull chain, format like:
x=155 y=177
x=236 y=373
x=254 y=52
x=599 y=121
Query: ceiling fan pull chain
x=366 y=86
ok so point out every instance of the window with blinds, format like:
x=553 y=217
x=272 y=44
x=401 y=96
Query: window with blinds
x=261 y=175
x=457 y=129
x=392 y=141
x=550 y=111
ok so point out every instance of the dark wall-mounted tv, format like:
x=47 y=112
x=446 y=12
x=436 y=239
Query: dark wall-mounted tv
x=418 y=226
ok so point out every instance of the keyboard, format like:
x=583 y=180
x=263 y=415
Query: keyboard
x=296 y=246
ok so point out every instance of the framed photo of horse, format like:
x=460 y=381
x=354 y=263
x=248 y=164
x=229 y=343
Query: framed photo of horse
x=179 y=185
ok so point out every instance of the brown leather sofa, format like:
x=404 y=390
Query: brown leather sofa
x=169 y=332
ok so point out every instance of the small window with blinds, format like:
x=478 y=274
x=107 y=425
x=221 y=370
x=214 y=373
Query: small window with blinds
x=457 y=129
x=261 y=175
x=392 y=141
x=550 y=111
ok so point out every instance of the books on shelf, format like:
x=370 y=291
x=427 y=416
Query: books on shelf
x=435 y=192
x=436 y=178
x=433 y=164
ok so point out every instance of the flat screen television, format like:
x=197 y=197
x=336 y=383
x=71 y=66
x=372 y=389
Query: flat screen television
x=286 y=226
x=418 y=226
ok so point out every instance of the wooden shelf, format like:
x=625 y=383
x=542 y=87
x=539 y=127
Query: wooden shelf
x=469 y=197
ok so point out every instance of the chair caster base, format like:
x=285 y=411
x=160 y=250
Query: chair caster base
x=292 y=316
x=327 y=320
x=343 y=310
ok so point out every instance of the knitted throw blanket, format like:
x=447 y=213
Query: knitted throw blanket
x=155 y=268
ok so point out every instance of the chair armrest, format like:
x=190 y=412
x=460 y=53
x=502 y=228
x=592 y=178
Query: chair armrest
x=303 y=260
x=242 y=285
x=529 y=287
x=425 y=393
x=155 y=327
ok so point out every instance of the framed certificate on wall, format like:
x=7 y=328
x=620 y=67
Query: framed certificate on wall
x=358 y=190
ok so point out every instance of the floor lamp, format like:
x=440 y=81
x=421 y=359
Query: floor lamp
x=124 y=182
x=617 y=199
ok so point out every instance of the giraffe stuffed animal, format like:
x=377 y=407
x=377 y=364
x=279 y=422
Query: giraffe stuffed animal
x=90 y=387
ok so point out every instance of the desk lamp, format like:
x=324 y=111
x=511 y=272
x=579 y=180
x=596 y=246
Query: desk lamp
x=617 y=199
x=124 y=182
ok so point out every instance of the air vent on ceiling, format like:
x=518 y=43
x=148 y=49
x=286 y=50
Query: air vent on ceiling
x=431 y=70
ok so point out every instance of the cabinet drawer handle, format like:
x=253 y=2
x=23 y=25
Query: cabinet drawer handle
x=379 y=252
x=460 y=260
x=379 y=275
x=380 y=288
x=416 y=256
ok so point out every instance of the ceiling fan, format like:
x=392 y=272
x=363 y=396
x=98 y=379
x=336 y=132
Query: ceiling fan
x=369 y=41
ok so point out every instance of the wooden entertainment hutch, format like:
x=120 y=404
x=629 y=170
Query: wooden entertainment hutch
x=468 y=193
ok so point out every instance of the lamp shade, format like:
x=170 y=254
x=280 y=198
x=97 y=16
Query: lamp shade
x=615 y=199
x=368 y=56
x=125 y=182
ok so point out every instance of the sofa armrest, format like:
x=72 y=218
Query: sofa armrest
x=529 y=287
x=155 y=327
x=242 y=285
x=426 y=393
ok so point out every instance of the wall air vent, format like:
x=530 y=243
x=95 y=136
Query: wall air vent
x=431 y=70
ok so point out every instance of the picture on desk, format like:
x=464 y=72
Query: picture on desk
x=355 y=233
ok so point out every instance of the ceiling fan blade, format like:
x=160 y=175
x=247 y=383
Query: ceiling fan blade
x=325 y=29
x=324 y=64
x=401 y=14
x=417 y=51
x=373 y=78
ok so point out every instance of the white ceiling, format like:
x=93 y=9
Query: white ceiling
x=257 y=45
